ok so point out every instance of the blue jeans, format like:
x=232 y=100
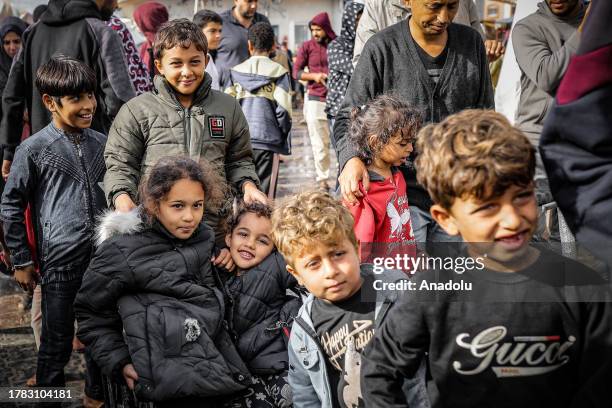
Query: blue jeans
x=58 y=293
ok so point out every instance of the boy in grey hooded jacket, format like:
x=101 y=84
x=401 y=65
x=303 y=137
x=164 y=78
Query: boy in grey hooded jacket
x=347 y=303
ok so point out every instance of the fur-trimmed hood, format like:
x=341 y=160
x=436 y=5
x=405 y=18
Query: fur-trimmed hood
x=113 y=223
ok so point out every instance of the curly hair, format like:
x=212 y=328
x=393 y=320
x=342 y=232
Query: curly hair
x=170 y=169
x=308 y=218
x=257 y=208
x=474 y=153
x=179 y=32
x=375 y=124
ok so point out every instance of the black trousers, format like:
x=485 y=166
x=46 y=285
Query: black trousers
x=58 y=296
x=264 y=166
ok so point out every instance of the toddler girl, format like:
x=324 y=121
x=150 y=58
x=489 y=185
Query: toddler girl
x=384 y=130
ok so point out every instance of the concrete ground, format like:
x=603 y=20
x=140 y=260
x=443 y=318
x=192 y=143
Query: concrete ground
x=17 y=347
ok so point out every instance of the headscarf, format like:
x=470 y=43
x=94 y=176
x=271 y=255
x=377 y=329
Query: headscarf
x=340 y=51
x=7 y=25
x=149 y=17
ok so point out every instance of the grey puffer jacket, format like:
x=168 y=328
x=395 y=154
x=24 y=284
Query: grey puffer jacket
x=161 y=291
x=262 y=313
x=155 y=124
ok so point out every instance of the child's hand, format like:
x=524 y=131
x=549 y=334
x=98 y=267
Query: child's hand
x=495 y=49
x=353 y=172
x=26 y=278
x=252 y=193
x=124 y=203
x=6 y=169
x=224 y=259
x=130 y=375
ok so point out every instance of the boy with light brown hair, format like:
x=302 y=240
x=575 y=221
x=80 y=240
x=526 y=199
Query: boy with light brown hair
x=315 y=234
x=528 y=333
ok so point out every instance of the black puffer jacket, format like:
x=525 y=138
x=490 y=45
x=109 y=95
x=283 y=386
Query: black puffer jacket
x=160 y=290
x=262 y=313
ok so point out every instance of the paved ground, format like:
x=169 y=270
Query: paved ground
x=17 y=348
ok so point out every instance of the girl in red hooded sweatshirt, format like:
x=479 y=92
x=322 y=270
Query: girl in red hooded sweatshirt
x=384 y=130
x=149 y=17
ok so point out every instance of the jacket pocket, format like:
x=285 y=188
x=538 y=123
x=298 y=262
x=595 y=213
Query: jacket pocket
x=174 y=333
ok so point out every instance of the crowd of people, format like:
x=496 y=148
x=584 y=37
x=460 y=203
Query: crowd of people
x=139 y=206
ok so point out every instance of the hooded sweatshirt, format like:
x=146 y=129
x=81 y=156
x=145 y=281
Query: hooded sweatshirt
x=543 y=44
x=576 y=144
x=261 y=86
x=73 y=28
x=314 y=56
x=149 y=17
x=340 y=55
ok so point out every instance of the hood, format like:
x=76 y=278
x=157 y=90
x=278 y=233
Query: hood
x=166 y=92
x=544 y=10
x=256 y=72
x=7 y=25
x=149 y=17
x=14 y=24
x=112 y=223
x=322 y=20
x=349 y=20
x=63 y=12
x=340 y=51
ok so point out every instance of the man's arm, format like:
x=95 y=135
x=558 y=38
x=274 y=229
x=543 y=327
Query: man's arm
x=123 y=155
x=239 y=167
x=474 y=18
x=13 y=105
x=367 y=27
x=536 y=60
x=117 y=86
x=486 y=97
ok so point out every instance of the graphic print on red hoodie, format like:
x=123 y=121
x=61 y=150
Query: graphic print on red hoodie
x=382 y=218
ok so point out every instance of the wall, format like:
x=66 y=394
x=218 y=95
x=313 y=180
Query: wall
x=285 y=15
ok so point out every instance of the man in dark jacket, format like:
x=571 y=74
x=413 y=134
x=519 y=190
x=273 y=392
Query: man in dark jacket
x=233 y=49
x=576 y=143
x=313 y=54
x=432 y=64
x=74 y=28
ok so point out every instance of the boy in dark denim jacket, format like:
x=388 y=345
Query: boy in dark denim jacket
x=58 y=171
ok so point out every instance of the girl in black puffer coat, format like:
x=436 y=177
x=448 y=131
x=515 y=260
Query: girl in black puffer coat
x=149 y=309
x=263 y=302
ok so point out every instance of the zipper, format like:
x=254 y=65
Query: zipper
x=323 y=363
x=77 y=143
x=187 y=129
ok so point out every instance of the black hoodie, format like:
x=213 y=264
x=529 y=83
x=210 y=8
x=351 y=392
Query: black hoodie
x=73 y=28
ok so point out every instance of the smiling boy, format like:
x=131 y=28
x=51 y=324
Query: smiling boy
x=535 y=331
x=58 y=171
x=182 y=116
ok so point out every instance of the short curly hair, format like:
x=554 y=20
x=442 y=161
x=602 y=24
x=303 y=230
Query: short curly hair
x=168 y=170
x=257 y=208
x=475 y=153
x=375 y=124
x=308 y=218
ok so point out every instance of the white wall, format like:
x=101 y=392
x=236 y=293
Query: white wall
x=285 y=14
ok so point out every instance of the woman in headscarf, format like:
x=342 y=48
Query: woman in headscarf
x=11 y=29
x=149 y=17
x=340 y=59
